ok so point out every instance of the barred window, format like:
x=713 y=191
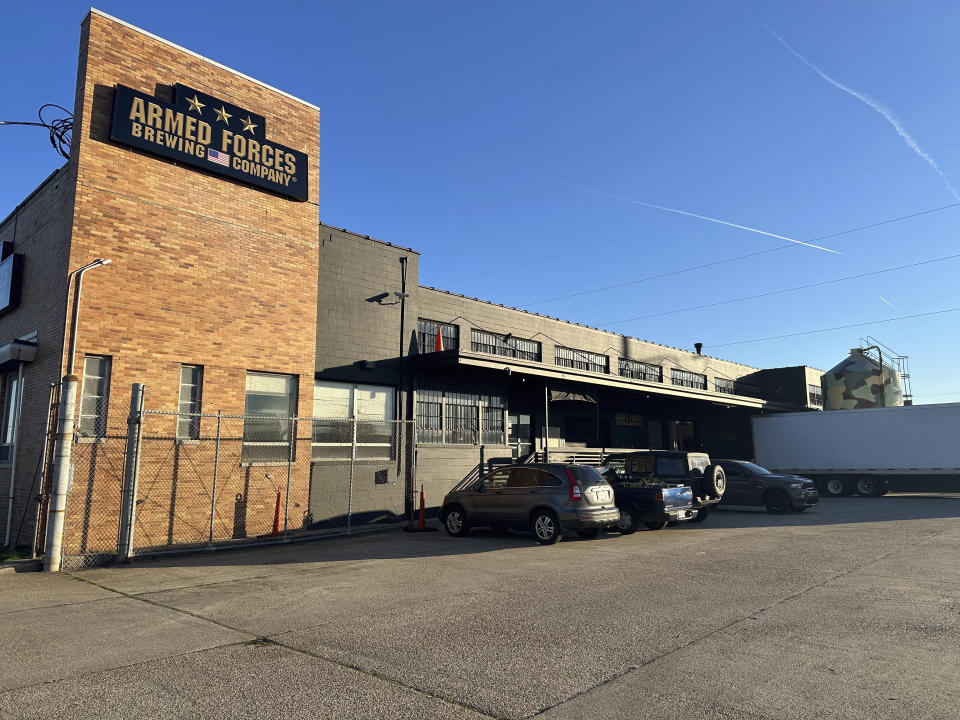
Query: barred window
x=94 y=396
x=506 y=345
x=462 y=421
x=640 y=370
x=427 y=336
x=735 y=387
x=429 y=416
x=582 y=360
x=688 y=379
x=458 y=418
x=815 y=395
x=723 y=385
x=493 y=425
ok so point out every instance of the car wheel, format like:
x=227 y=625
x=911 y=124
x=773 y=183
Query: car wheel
x=777 y=501
x=545 y=527
x=714 y=480
x=658 y=525
x=836 y=487
x=588 y=533
x=628 y=521
x=702 y=514
x=868 y=487
x=455 y=521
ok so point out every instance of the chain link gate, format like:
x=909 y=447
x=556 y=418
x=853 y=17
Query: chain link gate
x=207 y=481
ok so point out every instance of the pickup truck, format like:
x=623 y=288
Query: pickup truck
x=654 y=487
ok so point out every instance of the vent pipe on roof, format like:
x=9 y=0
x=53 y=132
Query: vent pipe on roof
x=698 y=347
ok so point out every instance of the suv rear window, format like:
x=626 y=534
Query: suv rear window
x=676 y=466
x=586 y=475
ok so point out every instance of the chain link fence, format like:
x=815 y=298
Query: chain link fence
x=204 y=481
x=92 y=521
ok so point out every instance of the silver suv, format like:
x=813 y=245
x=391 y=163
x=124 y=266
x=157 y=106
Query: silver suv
x=547 y=499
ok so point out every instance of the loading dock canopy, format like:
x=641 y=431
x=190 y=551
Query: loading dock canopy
x=459 y=358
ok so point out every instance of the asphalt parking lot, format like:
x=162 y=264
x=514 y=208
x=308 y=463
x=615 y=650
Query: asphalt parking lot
x=850 y=610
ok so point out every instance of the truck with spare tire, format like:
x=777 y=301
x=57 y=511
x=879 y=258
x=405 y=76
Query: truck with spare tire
x=655 y=487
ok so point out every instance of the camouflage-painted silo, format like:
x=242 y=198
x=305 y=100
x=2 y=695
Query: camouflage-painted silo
x=855 y=383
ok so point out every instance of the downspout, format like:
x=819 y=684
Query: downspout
x=16 y=445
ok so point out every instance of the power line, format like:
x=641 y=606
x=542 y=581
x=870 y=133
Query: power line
x=60 y=129
x=838 y=327
x=735 y=258
x=796 y=188
x=780 y=292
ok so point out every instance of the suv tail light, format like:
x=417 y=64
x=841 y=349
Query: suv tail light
x=575 y=493
x=658 y=497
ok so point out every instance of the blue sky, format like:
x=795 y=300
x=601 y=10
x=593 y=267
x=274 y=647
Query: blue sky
x=512 y=143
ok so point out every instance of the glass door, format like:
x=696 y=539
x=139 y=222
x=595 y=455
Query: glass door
x=521 y=434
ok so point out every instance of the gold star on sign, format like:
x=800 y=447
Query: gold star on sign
x=222 y=114
x=248 y=124
x=195 y=104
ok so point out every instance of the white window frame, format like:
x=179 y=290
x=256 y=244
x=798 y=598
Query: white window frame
x=293 y=397
x=352 y=411
x=103 y=404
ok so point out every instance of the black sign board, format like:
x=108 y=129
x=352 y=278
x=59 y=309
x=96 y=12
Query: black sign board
x=208 y=133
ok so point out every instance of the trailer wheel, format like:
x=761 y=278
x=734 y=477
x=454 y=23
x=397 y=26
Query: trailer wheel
x=869 y=487
x=836 y=487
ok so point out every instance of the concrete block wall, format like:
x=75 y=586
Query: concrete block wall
x=352 y=325
x=469 y=313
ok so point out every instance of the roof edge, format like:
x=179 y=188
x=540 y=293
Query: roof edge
x=101 y=13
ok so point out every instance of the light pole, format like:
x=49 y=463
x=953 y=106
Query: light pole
x=64 y=446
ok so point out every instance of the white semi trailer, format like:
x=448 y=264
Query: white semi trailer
x=866 y=451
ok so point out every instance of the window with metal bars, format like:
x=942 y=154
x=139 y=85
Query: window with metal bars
x=724 y=385
x=640 y=370
x=459 y=418
x=427 y=336
x=506 y=345
x=582 y=360
x=815 y=395
x=685 y=378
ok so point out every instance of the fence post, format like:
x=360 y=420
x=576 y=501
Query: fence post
x=290 y=458
x=216 y=470
x=131 y=469
x=353 y=460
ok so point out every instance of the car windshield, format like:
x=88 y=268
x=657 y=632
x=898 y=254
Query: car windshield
x=755 y=469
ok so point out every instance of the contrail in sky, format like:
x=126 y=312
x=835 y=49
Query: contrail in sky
x=889 y=303
x=708 y=219
x=874 y=104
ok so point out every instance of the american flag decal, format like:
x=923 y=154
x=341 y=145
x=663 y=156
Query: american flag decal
x=218 y=157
